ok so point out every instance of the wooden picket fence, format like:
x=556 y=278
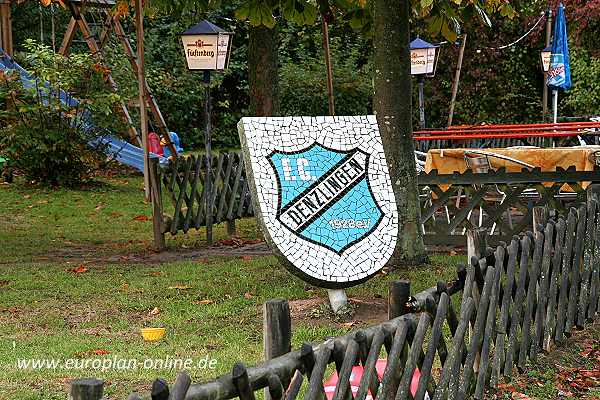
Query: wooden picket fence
x=182 y=182
x=463 y=336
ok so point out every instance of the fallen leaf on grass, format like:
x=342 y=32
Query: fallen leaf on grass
x=155 y=273
x=65 y=380
x=247 y=295
x=236 y=241
x=78 y=270
x=100 y=352
x=229 y=242
x=203 y=302
x=180 y=287
x=246 y=258
x=154 y=311
x=141 y=218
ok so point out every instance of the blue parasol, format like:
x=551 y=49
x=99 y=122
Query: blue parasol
x=559 y=75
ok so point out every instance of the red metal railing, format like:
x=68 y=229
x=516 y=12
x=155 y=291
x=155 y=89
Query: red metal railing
x=507 y=131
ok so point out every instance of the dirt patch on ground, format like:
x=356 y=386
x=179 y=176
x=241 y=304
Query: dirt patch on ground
x=90 y=254
x=77 y=253
x=317 y=312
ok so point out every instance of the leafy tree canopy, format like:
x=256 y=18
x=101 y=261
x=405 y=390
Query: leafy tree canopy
x=443 y=17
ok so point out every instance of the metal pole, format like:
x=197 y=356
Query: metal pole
x=422 y=101
x=328 y=65
x=207 y=148
x=555 y=106
x=461 y=53
x=141 y=76
x=548 y=38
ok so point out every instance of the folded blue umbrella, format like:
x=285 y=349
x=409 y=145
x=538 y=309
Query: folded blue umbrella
x=559 y=75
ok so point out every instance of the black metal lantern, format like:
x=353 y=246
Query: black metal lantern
x=207 y=47
x=423 y=62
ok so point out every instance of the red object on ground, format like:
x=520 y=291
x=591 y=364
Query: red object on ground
x=154 y=144
x=356 y=375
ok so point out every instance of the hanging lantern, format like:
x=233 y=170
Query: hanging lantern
x=423 y=57
x=207 y=47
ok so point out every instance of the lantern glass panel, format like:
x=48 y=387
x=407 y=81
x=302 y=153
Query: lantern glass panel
x=431 y=60
x=224 y=48
x=418 y=61
x=207 y=52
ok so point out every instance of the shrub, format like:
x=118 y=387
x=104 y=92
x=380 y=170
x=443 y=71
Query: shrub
x=46 y=128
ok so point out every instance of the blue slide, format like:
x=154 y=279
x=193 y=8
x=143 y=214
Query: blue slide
x=117 y=149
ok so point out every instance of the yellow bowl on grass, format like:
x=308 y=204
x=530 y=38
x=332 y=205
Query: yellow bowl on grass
x=153 y=334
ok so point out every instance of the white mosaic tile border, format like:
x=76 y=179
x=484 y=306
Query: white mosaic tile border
x=288 y=134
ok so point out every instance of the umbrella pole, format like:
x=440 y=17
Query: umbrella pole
x=555 y=106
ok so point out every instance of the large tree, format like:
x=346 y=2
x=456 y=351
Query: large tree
x=392 y=103
x=262 y=71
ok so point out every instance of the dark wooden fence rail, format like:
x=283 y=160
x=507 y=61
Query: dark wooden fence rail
x=464 y=336
x=500 y=202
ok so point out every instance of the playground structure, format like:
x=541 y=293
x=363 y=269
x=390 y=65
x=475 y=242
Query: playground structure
x=78 y=22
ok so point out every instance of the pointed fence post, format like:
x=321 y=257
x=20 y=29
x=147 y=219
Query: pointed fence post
x=540 y=217
x=157 y=206
x=277 y=331
x=398 y=296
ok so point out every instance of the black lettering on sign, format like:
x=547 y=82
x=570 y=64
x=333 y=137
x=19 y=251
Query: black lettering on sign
x=324 y=193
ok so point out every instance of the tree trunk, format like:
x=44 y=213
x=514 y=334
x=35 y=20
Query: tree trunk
x=392 y=103
x=262 y=71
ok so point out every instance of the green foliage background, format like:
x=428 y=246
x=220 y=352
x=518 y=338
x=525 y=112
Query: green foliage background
x=496 y=85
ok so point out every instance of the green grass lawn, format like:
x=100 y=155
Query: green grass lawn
x=210 y=306
x=37 y=222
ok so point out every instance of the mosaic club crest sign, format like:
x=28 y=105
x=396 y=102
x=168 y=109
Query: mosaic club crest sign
x=322 y=194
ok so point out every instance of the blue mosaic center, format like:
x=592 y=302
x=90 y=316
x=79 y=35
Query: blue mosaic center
x=325 y=196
